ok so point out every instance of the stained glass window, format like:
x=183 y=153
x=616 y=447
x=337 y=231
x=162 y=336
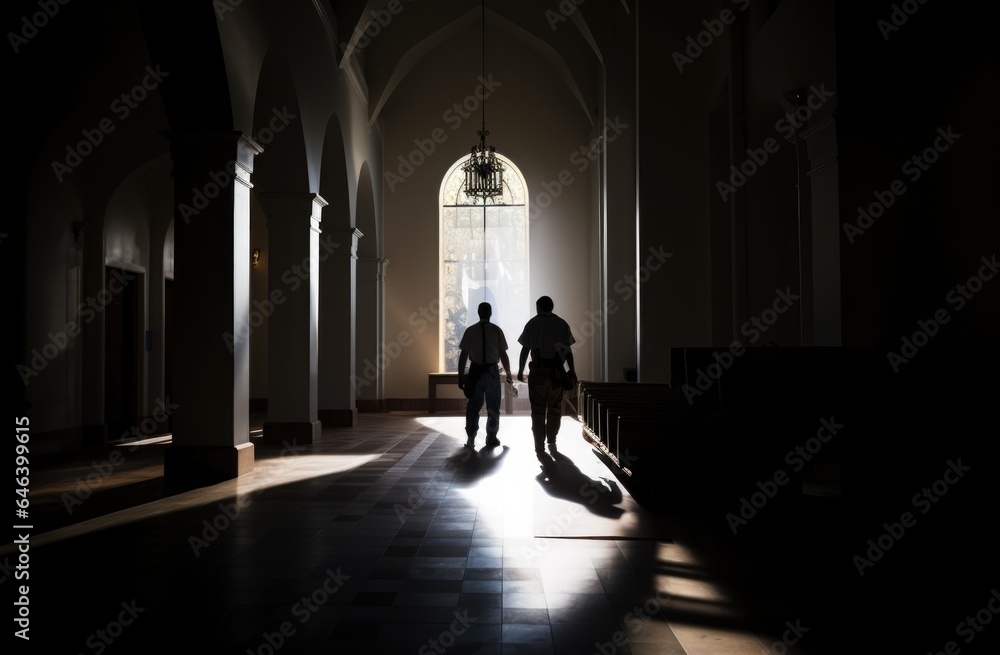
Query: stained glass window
x=484 y=257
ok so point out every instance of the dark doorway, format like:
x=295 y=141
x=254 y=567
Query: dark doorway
x=723 y=330
x=168 y=347
x=123 y=348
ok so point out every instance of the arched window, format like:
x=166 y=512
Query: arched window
x=484 y=257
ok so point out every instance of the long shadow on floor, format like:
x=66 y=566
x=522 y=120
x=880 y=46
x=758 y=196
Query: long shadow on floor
x=471 y=465
x=562 y=478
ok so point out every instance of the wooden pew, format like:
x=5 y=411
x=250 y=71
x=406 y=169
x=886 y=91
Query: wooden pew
x=664 y=444
x=601 y=404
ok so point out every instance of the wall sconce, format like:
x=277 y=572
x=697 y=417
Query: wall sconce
x=255 y=257
x=796 y=97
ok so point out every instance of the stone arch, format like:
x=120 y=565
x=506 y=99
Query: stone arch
x=334 y=179
x=364 y=214
x=136 y=221
x=197 y=99
x=282 y=167
x=370 y=294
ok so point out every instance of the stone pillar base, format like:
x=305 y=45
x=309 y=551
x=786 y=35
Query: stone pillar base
x=338 y=418
x=207 y=463
x=300 y=432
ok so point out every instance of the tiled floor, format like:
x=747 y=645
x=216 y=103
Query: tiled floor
x=389 y=537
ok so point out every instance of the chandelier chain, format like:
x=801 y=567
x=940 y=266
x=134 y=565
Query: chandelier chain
x=483 y=171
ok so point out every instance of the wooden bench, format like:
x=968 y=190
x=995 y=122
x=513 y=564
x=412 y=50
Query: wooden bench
x=660 y=441
x=601 y=405
x=692 y=454
x=593 y=395
x=434 y=379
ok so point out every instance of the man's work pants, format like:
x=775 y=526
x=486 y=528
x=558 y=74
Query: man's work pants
x=546 y=406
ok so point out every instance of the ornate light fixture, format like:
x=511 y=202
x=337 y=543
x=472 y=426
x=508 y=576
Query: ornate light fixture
x=483 y=171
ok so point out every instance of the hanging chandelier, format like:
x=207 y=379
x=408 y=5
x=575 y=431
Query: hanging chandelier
x=483 y=171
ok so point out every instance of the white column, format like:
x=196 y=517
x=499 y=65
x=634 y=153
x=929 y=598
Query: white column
x=294 y=259
x=620 y=226
x=823 y=254
x=211 y=438
x=368 y=383
x=338 y=313
x=155 y=392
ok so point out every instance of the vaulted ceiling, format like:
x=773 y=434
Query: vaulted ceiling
x=385 y=39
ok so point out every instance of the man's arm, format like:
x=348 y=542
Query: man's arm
x=506 y=364
x=524 y=360
x=462 y=358
x=567 y=351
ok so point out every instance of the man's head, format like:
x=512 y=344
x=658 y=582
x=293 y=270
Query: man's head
x=485 y=311
x=544 y=304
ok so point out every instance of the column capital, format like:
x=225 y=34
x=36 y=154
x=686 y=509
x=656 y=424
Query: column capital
x=372 y=268
x=282 y=203
x=316 y=218
x=180 y=140
x=346 y=232
x=348 y=235
x=292 y=196
x=221 y=152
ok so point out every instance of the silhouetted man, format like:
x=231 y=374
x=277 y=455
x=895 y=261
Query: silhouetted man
x=548 y=339
x=483 y=344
